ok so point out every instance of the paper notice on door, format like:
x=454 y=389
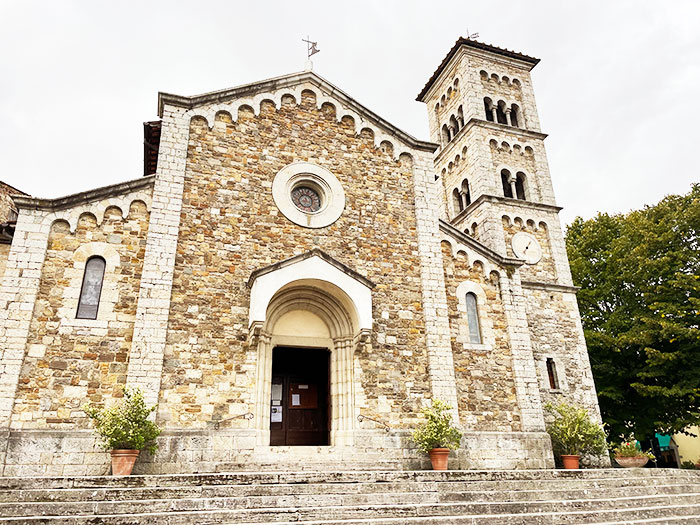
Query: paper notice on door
x=303 y=387
x=296 y=401
x=277 y=392
x=276 y=415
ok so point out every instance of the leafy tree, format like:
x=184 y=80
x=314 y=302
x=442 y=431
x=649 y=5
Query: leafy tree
x=640 y=305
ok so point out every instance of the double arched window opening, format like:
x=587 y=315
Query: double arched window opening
x=513 y=187
x=502 y=113
x=91 y=290
x=452 y=127
x=461 y=197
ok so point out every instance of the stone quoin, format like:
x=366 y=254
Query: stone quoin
x=294 y=278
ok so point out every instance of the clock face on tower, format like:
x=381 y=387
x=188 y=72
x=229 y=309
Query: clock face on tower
x=526 y=247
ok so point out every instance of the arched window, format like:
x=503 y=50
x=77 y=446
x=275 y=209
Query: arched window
x=473 y=319
x=466 y=197
x=514 y=115
x=500 y=114
x=454 y=125
x=457 y=201
x=552 y=374
x=487 y=109
x=460 y=116
x=445 y=135
x=520 y=186
x=92 y=288
x=505 y=179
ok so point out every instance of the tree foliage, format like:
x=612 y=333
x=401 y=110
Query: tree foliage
x=639 y=275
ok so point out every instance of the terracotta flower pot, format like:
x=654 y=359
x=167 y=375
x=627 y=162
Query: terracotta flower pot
x=631 y=461
x=570 y=461
x=438 y=457
x=123 y=461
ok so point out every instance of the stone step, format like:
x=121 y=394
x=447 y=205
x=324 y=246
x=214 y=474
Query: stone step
x=250 y=478
x=656 y=515
x=320 y=506
x=440 y=491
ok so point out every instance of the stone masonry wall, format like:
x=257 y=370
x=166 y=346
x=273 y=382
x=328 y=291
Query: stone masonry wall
x=484 y=372
x=555 y=331
x=70 y=361
x=230 y=227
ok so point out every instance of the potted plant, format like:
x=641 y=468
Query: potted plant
x=125 y=429
x=573 y=434
x=629 y=454
x=437 y=435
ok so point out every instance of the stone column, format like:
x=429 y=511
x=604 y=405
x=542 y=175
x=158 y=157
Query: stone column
x=263 y=389
x=508 y=119
x=18 y=292
x=494 y=112
x=342 y=391
x=153 y=307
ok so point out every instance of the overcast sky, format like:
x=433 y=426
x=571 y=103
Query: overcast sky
x=617 y=87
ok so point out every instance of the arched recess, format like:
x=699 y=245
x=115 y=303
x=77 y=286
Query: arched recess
x=320 y=295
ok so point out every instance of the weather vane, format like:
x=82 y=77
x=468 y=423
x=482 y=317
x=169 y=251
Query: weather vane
x=472 y=36
x=311 y=48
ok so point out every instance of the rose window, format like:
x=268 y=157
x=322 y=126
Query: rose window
x=306 y=199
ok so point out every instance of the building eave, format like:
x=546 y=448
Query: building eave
x=529 y=61
x=105 y=192
x=497 y=258
x=273 y=84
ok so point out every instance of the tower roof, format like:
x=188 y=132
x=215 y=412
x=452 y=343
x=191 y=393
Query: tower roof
x=477 y=45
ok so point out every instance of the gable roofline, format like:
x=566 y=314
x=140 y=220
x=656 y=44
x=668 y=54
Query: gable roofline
x=461 y=41
x=503 y=262
x=83 y=197
x=19 y=192
x=314 y=252
x=293 y=79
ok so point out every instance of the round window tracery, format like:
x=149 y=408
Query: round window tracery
x=308 y=195
x=306 y=199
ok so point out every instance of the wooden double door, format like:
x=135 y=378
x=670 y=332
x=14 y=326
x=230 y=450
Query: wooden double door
x=300 y=401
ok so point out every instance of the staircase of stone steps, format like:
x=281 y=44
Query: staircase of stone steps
x=610 y=496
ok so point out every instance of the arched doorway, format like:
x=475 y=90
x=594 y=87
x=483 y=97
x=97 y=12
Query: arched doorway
x=304 y=385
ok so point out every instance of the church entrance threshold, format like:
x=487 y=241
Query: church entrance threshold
x=299 y=412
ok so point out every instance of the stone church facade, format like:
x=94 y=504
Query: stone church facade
x=295 y=278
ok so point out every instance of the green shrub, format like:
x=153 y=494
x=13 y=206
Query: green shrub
x=125 y=425
x=438 y=430
x=687 y=464
x=573 y=432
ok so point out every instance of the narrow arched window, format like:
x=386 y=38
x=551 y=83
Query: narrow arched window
x=465 y=193
x=487 y=109
x=457 y=201
x=520 y=186
x=473 y=319
x=445 y=134
x=501 y=115
x=552 y=374
x=505 y=180
x=514 y=115
x=92 y=288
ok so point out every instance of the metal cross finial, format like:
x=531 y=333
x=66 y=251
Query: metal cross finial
x=311 y=48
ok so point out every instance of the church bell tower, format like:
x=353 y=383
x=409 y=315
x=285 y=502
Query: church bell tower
x=492 y=172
